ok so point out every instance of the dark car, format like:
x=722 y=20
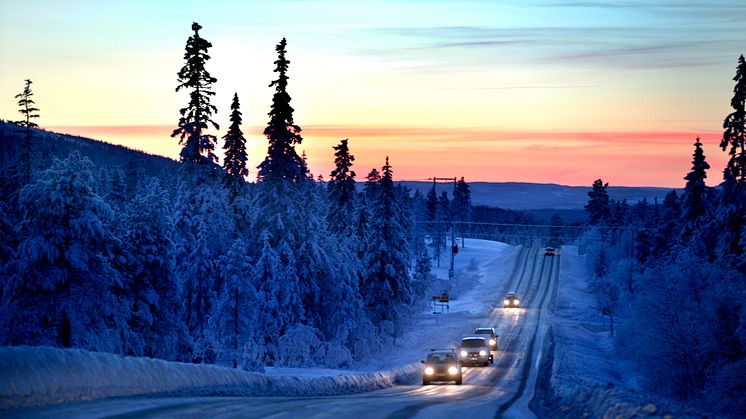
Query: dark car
x=442 y=365
x=511 y=300
x=475 y=350
x=550 y=251
x=490 y=334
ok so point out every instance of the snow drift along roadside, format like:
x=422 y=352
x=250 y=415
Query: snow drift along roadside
x=36 y=376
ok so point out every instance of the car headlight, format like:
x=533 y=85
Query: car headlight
x=463 y=353
x=429 y=371
x=515 y=302
x=482 y=353
x=453 y=370
x=507 y=302
x=493 y=341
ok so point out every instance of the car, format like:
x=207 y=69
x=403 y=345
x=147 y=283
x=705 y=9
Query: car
x=491 y=335
x=511 y=300
x=442 y=365
x=550 y=251
x=475 y=350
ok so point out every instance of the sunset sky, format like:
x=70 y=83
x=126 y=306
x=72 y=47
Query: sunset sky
x=536 y=91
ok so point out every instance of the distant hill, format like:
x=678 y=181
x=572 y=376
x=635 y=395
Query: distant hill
x=45 y=145
x=535 y=196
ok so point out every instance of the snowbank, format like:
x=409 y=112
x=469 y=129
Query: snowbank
x=35 y=376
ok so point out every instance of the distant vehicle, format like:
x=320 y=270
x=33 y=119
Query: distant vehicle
x=442 y=365
x=475 y=350
x=550 y=251
x=491 y=335
x=511 y=300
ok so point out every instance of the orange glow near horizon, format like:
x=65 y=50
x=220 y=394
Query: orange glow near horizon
x=562 y=157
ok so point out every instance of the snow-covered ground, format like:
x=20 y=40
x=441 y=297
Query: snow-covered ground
x=39 y=376
x=588 y=377
x=585 y=350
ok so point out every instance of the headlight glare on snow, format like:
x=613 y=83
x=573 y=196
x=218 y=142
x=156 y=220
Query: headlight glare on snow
x=463 y=353
x=429 y=371
x=482 y=353
x=493 y=341
x=453 y=370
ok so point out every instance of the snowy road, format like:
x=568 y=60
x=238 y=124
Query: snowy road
x=502 y=389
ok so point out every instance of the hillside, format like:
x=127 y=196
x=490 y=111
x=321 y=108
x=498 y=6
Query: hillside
x=534 y=196
x=45 y=145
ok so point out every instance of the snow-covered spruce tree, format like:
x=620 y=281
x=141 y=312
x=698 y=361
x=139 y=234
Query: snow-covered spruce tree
x=387 y=288
x=277 y=288
x=150 y=285
x=694 y=201
x=29 y=111
x=598 y=203
x=61 y=290
x=234 y=162
x=341 y=189
x=732 y=211
x=282 y=161
x=198 y=145
x=734 y=136
x=372 y=184
x=236 y=312
x=198 y=293
x=461 y=204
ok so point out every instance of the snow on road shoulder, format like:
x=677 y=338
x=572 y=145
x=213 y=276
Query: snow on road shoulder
x=584 y=348
x=35 y=376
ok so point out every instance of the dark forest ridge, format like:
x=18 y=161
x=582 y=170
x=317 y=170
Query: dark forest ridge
x=531 y=196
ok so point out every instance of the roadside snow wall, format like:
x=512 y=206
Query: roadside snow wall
x=35 y=376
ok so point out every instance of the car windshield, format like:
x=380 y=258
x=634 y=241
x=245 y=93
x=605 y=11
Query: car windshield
x=483 y=332
x=472 y=343
x=442 y=357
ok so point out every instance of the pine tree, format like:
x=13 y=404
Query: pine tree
x=234 y=321
x=734 y=136
x=198 y=145
x=150 y=283
x=198 y=294
x=387 y=287
x=282 y=161
x=29 y=112
x=341 y=189
x=598 y=206
x=461 y=204
x=431 y=203
x=694 y=199
x=234 y=162
x=444 y=207
x=27 y=105
x=63 y=281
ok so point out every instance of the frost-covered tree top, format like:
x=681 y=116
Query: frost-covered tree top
x=598 y=203
x=282 y=161
x=734 y=136
x=341 y=189
x=462 y=201
x=234 y=162
x=693 y=199
x=27 y=106
x=198 y=146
